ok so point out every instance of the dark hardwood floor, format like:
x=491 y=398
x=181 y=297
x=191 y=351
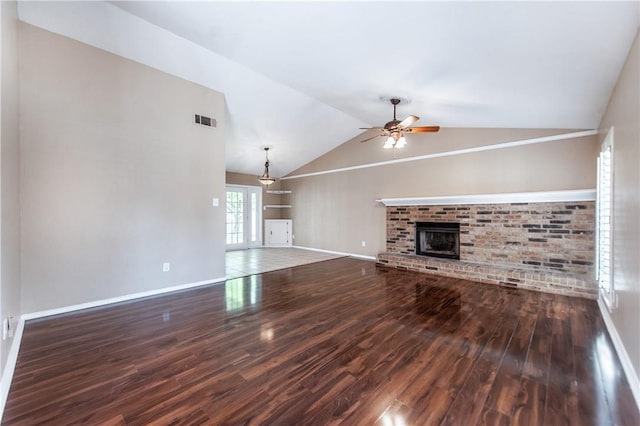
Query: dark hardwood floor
x=335 y=342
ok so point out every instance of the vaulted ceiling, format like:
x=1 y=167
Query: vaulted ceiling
x=302 y=77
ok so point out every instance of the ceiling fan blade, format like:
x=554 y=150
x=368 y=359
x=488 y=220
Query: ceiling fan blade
x=371 y=128
x=408 y=121
x=372 y=137
x=422 y=129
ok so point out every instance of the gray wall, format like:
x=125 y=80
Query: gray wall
x=9 y=173
x=623 y=113
x=115 y=178
x=338 y=211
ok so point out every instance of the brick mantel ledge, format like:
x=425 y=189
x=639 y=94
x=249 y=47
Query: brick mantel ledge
x=504 y=275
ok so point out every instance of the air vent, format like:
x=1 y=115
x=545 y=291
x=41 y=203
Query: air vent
x=203 y=120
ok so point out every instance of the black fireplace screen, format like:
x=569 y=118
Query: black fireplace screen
x=438 y=239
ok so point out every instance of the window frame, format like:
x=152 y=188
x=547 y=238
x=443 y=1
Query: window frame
x=604 y=230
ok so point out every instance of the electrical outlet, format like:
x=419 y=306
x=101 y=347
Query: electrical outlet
x=166 y=266
x=364 y=244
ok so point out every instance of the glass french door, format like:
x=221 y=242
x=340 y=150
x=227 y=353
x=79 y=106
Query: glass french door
x=244 y=216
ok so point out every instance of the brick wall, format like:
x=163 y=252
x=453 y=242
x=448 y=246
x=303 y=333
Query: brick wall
x=556 y=236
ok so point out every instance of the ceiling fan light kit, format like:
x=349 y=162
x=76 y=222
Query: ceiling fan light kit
x=395 y=141
x=395 y=129
x=265 y=179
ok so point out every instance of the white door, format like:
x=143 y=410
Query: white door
x=277 y=232
x=244 y=216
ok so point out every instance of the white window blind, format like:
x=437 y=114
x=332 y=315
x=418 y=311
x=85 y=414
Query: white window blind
x=604 y=221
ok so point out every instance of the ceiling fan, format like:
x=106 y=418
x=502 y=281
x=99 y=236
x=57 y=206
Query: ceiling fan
x=395 y=129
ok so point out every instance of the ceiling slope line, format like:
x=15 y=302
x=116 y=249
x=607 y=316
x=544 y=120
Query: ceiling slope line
x=502 y=145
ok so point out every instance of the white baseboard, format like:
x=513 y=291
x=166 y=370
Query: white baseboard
x=9 y=368
x=361 y=256
x=127 y=297
x=627 y=365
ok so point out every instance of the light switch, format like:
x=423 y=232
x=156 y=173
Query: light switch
x=216 y=201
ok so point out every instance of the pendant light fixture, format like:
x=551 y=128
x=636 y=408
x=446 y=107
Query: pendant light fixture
x=265 y=179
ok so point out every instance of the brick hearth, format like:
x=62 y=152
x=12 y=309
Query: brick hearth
x=540 y=246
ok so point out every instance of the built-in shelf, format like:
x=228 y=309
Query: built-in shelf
x=277 y=206
x=278 y=191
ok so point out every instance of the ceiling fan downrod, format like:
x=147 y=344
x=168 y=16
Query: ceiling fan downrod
x=394 y=102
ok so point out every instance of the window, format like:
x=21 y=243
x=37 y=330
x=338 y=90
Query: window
x=244 y=216
x=235 y=217
x=604 y=216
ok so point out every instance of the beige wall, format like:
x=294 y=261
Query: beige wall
x=354 y=153
x=623 y=113
x=115 y=178
x=10 y=289
x=338 y=211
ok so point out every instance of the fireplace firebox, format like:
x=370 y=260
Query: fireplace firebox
x=438 y=239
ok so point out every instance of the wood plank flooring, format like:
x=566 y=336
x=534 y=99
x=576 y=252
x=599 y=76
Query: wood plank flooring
x=335 y=342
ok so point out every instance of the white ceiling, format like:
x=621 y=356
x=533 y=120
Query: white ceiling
x=303 y=76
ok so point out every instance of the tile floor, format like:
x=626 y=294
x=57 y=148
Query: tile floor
x=240 y=263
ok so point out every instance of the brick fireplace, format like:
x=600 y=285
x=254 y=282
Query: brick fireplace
x=546 y=246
